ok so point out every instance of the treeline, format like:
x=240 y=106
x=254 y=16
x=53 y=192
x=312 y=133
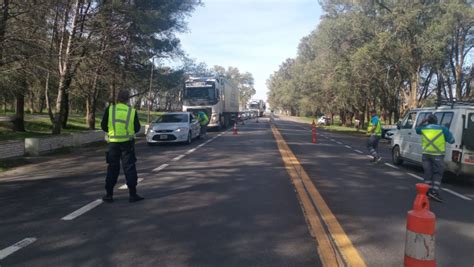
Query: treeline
x=63 y=55
x=390 y=55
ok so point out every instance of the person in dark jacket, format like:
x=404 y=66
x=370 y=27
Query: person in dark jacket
x=121 y=123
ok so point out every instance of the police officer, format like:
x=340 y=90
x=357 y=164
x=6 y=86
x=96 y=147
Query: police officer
x=433 y=144
x=203 y=121
x=121 y=123
x=374 y=131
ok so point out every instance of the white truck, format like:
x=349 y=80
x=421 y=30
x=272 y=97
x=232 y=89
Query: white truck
x=216 y=96
x=258 y=106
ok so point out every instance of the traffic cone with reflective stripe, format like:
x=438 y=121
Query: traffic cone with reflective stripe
x=235 y=128
x=420 y=235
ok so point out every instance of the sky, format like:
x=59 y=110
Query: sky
x=255 y=36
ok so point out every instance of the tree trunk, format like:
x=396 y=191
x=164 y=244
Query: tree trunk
x=19 y=123
x=66 y=109
x=90 y=112
x=65 y=70
x=412 y=98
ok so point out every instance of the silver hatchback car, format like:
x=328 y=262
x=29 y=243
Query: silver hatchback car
x=173 y=127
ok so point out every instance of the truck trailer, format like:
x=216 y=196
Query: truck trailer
x=258 y=106
x=216 y=96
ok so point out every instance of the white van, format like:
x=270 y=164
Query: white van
x=458 y=117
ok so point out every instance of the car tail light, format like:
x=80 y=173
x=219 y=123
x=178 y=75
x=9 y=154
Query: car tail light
x=456 y=156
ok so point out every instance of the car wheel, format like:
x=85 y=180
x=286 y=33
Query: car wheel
x=190 y=139
x=396 y=157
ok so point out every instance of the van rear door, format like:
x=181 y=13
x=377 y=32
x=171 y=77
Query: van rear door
x=468 y=139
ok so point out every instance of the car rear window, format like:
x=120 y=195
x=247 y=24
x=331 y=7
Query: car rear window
x=169 y=118
x=444 y=118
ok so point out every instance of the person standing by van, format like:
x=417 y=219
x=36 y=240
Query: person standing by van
x=203 y=121
x=375 y=133
x=433 y=144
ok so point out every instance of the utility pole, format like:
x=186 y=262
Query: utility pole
x=150 y=103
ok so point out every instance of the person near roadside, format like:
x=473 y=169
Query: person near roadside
x=374 y=131
x=203 y=121
x=433 y=145
x=120 y=122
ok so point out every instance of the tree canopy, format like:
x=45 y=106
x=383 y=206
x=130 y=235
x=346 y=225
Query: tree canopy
x=385 y=55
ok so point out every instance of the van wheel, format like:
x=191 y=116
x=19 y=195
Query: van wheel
x=396 y=157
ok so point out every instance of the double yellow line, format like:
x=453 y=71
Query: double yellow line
x=334 y=247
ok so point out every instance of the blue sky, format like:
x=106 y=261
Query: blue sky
x=254 y=36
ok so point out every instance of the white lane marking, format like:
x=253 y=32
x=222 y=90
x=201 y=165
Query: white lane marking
x=339 y=143
x=178 y=158
x=82 y=210
x=201 y=145
x=333 y=140
x=416 y=176
x=125 y=185
x=358 y=151
x=456 y=194
x=161 y=167
x=348 y=146
x=15 y=247
x=392 y=166
x=369 y=156
x=190 y=151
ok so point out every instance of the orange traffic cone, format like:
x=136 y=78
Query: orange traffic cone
x=314 y=132
x=235 y=128
x=420 y=235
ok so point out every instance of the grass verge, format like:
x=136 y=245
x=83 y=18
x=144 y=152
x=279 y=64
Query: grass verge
x=39 y=125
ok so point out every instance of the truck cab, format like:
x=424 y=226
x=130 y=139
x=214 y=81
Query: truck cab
x=215 y=96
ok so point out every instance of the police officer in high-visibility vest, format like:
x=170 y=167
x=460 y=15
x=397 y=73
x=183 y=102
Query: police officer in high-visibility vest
x=121 y=123
x=374 y=131
x=203 y=121
x=433 y=145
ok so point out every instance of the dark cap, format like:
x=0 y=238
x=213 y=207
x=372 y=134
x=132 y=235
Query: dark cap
x=432 y=119
x=123 y=96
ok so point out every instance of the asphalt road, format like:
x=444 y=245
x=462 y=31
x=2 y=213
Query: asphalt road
x=371 y=200
x=227 y=200
x=222 y=201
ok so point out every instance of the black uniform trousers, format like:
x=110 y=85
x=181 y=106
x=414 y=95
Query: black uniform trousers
x=125 y=152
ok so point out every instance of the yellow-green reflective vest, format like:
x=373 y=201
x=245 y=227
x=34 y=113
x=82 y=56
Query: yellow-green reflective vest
x=378 y=128
x=203 y=119
x=433 y=142
x=121 y=123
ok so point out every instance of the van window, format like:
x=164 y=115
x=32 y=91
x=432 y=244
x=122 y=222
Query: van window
x=470 y=121
x=422 y=117
x=444 y=118
x=468 y=133
x=409 y=121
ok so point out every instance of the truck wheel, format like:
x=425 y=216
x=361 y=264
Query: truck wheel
x=396 y=157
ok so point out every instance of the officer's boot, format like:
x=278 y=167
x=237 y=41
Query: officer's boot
x=134 y=197
x=109 y=196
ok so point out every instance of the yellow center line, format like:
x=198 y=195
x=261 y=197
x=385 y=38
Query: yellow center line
x=315 y=208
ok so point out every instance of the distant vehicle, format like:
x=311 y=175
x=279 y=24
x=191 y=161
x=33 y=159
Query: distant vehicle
x=324 y=121
x=389 y=134
x=173 y=127
x=257 y=106
x=215 y=96
x=458 y=117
